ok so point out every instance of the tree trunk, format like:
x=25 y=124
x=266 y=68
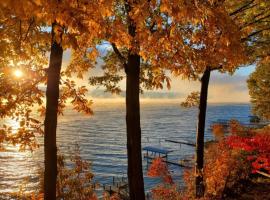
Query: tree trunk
x=135 y=172
x=134 y=151
x=52 y=96
x=200 y=134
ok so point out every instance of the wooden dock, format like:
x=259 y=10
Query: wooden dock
x=181 y=142
x=155 y=152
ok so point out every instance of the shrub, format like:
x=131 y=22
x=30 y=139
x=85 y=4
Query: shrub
x=224 y=168
x=74 y=179
x=256 y=147
x=167 y=190
x=218 y=131
x=74 y=182
x=228 y=163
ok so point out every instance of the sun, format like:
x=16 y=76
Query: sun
x=18 y=73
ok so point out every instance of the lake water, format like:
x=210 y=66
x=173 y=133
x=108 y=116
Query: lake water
x=102 y=140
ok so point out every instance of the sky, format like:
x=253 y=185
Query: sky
x=223 y=88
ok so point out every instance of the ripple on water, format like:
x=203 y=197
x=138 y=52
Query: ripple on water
x=102 y=140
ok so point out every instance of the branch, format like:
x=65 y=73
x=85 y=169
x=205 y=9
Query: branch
x=152 y=30
x=20 y=39
x=216 y=68
x=30 y=24
x=26 y=92
x=256 y=21
x=254 y=33
x=120 y=56
x=263 y=173
x=244 y=7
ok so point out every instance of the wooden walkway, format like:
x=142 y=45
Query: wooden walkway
x=181 y=142
x=156 y=152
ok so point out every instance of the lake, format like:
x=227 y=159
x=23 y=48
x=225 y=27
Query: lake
x=102 y=140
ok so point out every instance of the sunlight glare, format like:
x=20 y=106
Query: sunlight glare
x=15 y=124
x=18 y=73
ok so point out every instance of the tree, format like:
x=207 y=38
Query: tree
x=32 y=89
x=52 y=97
x=53 y=103
x=168 y=36
x=129 y=19
x=224 y=53
x=132 y=70
x=162 y=34
x=42 y=14
x=140 y=29
x=19 y=34
x=259 y=89
x=252 y=20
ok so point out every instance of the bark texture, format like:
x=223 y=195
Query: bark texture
x=52 y=96
x=132 y=69
x=200 y=134
x=135 y=172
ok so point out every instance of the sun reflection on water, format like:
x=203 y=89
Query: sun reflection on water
x=16 y=165
x=15 y=125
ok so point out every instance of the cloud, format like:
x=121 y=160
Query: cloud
x=222 y=87
x=100 y=93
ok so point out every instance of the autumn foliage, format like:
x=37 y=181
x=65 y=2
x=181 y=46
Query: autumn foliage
x=259 y=84
x=223 y=170
x=257 y=147
x=159 y=168
x=232 y=159
x=186 y=38
x=229 y=162
x=168 y=190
